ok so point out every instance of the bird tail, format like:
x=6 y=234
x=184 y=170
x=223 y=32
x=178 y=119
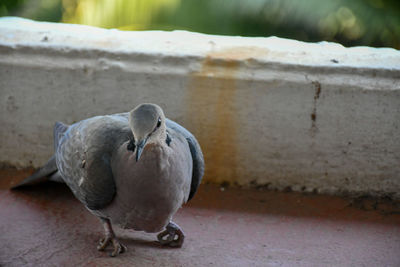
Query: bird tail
x=47 y=172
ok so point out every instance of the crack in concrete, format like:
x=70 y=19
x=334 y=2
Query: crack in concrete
x=314 y=128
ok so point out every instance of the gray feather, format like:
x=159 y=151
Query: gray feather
x=197 y=156
x=84 y=154
x=58 y=132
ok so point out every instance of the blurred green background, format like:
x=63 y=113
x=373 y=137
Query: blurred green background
x=349 y=22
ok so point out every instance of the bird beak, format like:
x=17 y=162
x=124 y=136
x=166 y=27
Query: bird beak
x=139 y=148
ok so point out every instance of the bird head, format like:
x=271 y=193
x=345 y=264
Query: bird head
x=147 y=122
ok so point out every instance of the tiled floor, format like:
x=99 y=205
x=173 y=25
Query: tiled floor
x=45 y=225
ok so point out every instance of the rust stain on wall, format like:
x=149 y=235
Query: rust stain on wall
x=212 y=109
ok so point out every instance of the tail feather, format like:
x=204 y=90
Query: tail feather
x=41 y=175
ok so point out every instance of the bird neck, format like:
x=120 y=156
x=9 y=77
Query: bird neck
x=158 y=139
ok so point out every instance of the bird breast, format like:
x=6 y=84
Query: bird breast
x=152 y=189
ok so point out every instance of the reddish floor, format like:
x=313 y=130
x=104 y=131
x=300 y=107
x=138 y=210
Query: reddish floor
x=45 y=225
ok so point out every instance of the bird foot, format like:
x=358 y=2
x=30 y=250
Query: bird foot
x=118 y=247
x=173 y=236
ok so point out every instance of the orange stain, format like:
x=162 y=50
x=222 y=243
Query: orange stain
x=212 y=109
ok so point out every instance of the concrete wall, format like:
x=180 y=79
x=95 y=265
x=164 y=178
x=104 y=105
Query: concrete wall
x=267 y=111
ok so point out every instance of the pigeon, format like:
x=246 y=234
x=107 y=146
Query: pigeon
x=131 y=169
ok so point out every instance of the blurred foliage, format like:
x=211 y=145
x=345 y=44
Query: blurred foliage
x=357 y=22
x=43 y=10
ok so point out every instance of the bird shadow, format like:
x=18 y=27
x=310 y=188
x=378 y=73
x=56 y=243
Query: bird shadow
x=144 y=243
x=45 y=192
x=211 y=199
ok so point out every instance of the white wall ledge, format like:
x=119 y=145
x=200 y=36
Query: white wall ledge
x=267 y=111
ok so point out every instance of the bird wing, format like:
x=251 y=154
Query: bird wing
x=195 y=151
x=83 y=156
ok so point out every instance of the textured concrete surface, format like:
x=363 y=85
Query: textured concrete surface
x=45 y=225
x=267 y=111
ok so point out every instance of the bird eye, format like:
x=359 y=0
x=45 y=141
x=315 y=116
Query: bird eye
x=159 y=122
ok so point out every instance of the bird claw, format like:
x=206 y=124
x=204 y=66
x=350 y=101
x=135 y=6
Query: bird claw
x=174 y=236
x=118 y=247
